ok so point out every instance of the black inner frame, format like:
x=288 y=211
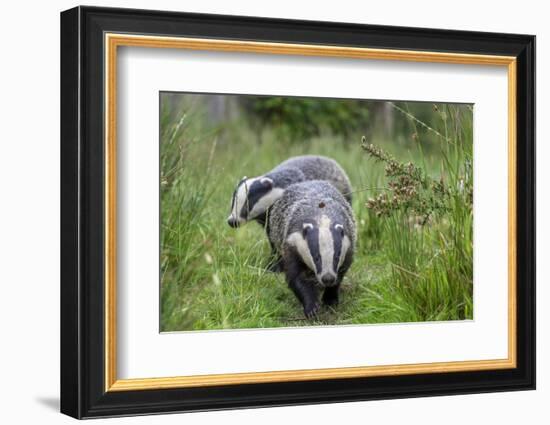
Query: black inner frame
x=82 y=212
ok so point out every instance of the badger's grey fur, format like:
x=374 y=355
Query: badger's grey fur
x=254 y=196
x=313 y=229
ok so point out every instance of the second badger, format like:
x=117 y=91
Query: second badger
x=313 y=229
x=254 y=196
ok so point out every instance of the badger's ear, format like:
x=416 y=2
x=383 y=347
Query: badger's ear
x=266 y=182
x=340 y=228
x=306 y=227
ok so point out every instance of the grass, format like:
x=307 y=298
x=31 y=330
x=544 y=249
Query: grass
x=214 y=277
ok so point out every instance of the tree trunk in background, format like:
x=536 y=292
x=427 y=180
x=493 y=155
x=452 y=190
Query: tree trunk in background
x=221 y=110
x=217 y=109
x=382 y=120
x=388 y=119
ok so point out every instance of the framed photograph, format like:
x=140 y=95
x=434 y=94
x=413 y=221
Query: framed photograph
x=261 y=212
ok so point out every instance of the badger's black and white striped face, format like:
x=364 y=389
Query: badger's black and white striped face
x=251 y=199
x=322 y=246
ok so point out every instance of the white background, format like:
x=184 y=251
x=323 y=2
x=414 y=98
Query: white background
x=29 y=228
x=145 y=72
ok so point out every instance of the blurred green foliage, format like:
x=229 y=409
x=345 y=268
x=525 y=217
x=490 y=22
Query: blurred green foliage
x=299 y=119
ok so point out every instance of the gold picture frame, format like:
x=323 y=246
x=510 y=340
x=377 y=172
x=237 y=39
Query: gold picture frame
x=114 y=41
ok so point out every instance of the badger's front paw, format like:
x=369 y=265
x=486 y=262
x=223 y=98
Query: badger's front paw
x=311 y=310
x=330 y=297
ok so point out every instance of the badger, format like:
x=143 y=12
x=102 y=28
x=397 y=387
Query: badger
x=312 y=227
x=254 y=196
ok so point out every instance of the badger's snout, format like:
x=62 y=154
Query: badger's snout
x=232 y=221
x=328 y=279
